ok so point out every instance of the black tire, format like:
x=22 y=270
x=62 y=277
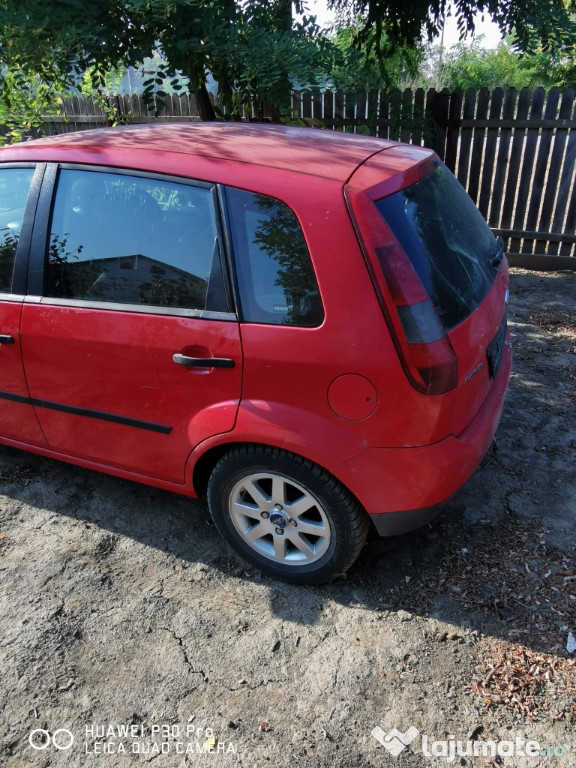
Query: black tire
x=286 y=515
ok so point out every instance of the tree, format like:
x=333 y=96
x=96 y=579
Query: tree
x=248 y=46
x=361 y=68
x=45 y=50
x=550 y=24
x=470 y=65
x=477 y=67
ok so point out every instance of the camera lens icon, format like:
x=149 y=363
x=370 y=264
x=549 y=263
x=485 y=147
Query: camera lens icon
x=41 y=739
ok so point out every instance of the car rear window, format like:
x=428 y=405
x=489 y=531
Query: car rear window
x=447 y=240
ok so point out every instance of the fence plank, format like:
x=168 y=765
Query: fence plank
x=527 y=172
x=541 y=172
x=316 y=105
x=487 y=174
x=372 y=111
x=466 y=138
x=395 y=115
x=418 y=117
x=438 y=107
x=516 y=153
x=567 y=191
x=407 y=116
x=556 y=198
x=495 y=216
x=478 y=144
x=384 y=126
x=340 y=108
x=453 y=132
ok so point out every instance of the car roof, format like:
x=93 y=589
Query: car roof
x=325 y=153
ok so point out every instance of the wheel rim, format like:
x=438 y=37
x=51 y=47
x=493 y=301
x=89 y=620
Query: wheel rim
x=280 y=519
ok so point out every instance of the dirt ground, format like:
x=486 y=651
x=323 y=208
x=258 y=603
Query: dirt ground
x=131 y=635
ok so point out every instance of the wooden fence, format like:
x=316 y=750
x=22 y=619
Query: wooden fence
x=514 y=151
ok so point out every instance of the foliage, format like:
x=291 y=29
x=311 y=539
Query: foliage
x=470 y=65
x=23 y=102
x=550 y=24
x=249 y=46
x=360 y=68
x=263 y=60
x=46 y=48
x=475 y=67
x=565 y=73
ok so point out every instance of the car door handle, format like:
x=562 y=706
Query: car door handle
x=6 y=339
x=203 y=362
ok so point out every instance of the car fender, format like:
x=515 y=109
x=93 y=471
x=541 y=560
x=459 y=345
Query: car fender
x=306 y=434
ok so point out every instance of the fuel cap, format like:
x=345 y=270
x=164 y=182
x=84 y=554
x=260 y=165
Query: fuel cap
x=352 y=397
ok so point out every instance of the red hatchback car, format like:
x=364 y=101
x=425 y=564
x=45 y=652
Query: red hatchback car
x=307 y=327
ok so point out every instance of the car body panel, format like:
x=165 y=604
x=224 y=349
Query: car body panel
x=430 y=474
x=17 y=417
x=119 y=397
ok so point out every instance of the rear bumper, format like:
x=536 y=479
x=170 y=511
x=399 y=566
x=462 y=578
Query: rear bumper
x=403 y=489
x=396 y=523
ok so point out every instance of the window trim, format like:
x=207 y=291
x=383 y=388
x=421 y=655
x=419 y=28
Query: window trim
x=39 y=240
x=143 y=309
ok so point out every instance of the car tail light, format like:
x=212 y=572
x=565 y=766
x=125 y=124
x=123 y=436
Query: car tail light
x=423 y=346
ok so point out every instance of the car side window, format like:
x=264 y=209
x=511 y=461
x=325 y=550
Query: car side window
x=276 y=280
x=131 y=240
x=14 y=187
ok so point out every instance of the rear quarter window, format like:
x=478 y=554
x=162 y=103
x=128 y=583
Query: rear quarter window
x=447 y=240
x=14 y=186
x=276 y=280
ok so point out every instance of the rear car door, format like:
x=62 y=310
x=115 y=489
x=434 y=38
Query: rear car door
x=17 y=202
x=132 y=354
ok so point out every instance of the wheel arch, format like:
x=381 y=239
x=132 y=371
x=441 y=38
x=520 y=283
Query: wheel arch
x=205 y=463
x=286 y=428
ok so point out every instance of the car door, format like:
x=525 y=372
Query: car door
x=132 y=354
x=18 y=421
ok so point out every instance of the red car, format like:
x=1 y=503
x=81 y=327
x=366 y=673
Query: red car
x=307 y=327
